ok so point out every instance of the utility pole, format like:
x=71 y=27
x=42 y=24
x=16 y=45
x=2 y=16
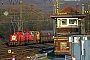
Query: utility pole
x=56 y=8
x=89 y=5
x=20 y=23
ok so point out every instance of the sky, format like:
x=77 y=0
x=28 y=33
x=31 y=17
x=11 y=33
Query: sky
x=44 y=1
x=48 y=4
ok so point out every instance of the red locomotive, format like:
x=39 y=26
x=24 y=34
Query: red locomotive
x=20 y=38
x=30 y=37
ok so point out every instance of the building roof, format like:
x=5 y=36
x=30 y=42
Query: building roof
x=67 y=11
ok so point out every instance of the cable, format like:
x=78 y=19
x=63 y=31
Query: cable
x=13 y=2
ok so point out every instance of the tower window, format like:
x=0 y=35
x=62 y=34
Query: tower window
x=64 y=21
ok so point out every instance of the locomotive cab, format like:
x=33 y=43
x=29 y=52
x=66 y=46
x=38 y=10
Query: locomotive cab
x=13 y=39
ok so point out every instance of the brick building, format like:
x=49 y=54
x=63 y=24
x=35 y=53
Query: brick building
x=68 y=21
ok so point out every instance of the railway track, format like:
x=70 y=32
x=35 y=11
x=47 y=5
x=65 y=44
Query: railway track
x=20 y=52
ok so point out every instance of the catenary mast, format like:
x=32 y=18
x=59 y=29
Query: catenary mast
x=56 y=6
x=20 y=23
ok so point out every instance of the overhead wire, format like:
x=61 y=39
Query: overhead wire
x=48 y=0
x=13 y=2
x=10 y=1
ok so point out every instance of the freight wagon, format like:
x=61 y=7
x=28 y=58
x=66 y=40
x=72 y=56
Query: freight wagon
x=46 y=36
x=30 y=37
